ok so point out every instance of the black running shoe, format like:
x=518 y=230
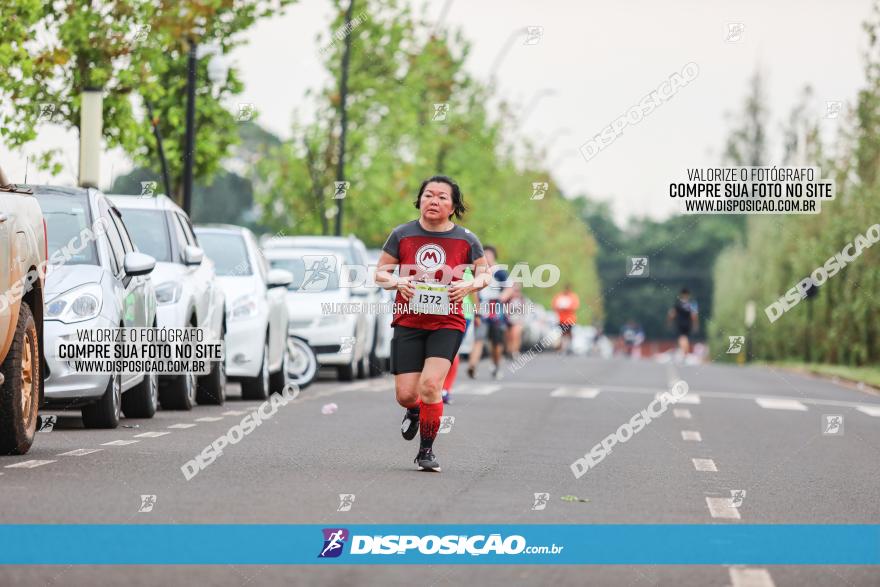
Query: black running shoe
x=427 y=461
x=410 y=425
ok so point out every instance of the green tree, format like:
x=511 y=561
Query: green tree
x=400 y=69
x=133 y=50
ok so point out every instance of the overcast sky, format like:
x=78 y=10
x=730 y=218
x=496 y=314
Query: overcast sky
x=599 y=59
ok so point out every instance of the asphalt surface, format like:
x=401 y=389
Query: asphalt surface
x=762 y=430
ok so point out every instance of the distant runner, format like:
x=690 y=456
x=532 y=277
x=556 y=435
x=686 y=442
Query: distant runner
x=429 y=320
x=566 y=304
x=490 y=323
x=685 y=316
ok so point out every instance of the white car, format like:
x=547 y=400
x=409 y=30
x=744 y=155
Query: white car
x=384 y=330
x=321 y=311
x=354 y=254
x=105 y=284
x=256 y=310
x=187 y=293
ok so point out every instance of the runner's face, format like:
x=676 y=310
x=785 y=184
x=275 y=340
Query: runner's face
x=436 y=201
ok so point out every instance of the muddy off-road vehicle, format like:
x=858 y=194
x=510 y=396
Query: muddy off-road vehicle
x=22 y=255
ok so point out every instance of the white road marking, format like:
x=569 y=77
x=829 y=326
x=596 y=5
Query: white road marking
x=690 y=398
x=79 y=452
x=578 y=392
x=691 y=435
x=772 y=403
x=722 y=507
x=706 y=465
x=751 y=578
x=703 y=394
x=235 y=413
x=153 y=434
x=29 y=464
x=208 y=419
x=182 y=426
x=682 y=413
x=119 y=442
x=870 y=410
x=476 y=389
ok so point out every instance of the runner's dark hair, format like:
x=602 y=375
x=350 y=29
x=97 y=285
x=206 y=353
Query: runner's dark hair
x=458 y=207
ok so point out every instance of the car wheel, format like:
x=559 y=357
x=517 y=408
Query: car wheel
x=211 y=388
x=363 y=367
x=279 y=380
x=346 y=372
x=142 y=400
x=302 y=365
x=258 y=387
x=106 y=411
x=375 y=364
x=20 y=392
x=178 y=392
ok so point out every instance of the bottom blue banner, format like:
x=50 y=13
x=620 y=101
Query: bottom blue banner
x=667 y=544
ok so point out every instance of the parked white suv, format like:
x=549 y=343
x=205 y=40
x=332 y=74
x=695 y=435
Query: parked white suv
x=187 y=293
x=354 y=254
x=22 y=251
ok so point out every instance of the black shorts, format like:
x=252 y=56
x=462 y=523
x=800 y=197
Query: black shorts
x=683 y=329
x=411 y=346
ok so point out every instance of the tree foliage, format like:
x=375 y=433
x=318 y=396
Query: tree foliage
x=400 y=69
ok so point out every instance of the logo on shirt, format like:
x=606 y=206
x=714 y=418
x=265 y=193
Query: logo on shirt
x=430 y=257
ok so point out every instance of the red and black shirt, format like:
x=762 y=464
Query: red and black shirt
x=439 y=257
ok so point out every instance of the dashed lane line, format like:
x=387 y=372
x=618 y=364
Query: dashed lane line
x=28 y=464
x=682 y=413
x=770 y=403
x=722 y=507
x=751 y=578
x=153 y=434
x=182 y=426
x=119 y=442
x=79 y=452
x=576 y=392
x=870 y=410
x=691 y=435
x=208 y=419
x=705 y=465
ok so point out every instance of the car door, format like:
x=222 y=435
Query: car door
x=142 y=286
x=126 y=289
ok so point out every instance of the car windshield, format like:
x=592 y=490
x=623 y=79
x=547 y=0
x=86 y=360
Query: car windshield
x=312 y=272
x=228 y=251
x=67 y=219
x=149 y=229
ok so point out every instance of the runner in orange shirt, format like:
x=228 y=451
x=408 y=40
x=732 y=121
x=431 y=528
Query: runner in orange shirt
x=565 y=304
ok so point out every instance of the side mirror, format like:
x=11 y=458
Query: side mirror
x=279 y=278
x=193 y=255
x=136 y=264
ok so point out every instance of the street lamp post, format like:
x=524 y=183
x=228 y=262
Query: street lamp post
x=190 y=139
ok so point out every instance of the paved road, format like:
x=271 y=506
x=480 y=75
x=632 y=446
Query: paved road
x=755 y=429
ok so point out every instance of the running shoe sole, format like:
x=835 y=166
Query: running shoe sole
x=409 y=427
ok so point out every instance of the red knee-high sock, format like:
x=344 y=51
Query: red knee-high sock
x=450 y=377
x=429 y=423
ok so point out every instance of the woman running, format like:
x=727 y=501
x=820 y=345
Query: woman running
x=429 y=323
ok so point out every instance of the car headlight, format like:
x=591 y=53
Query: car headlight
x=243 y=308
x=168 y=292
x=75 y=305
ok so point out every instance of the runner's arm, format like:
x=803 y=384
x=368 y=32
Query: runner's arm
x=460 y=289
x=387 y=280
